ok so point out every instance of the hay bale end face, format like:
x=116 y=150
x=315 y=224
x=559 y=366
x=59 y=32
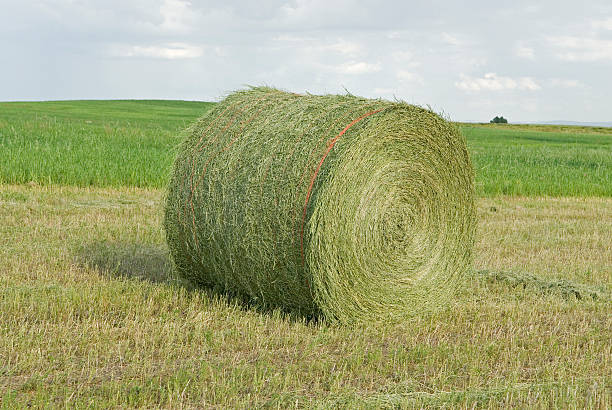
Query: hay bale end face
x=352 y=208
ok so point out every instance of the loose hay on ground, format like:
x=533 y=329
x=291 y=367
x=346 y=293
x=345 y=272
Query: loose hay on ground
x=336 y=205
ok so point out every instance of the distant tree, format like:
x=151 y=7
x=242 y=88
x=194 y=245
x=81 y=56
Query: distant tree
x=499 y=120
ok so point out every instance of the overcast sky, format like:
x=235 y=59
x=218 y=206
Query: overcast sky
x=471 y=60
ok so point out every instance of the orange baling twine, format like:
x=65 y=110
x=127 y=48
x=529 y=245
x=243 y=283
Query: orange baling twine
x=330 y=145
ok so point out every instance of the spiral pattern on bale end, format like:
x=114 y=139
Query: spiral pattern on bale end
x=352 y=208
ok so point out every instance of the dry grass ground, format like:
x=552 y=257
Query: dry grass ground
x=568 y=238
x=89 y=317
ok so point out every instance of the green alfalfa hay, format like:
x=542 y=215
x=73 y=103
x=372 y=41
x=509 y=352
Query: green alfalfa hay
x=384 y=230
x=562 y=287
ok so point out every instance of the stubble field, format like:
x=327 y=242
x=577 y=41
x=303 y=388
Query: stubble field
x=90 y=315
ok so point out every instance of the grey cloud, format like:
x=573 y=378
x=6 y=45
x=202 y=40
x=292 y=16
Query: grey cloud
x=470 y=59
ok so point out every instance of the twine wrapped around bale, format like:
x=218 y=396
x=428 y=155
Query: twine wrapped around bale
x=352 y=208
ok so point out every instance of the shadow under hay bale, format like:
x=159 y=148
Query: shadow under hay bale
x=130 y=260
x=153 y=264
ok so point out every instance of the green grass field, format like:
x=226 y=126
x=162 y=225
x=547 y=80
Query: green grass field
x=92 y=143
x=91 y=317
x=131 y=143
x=525 y=162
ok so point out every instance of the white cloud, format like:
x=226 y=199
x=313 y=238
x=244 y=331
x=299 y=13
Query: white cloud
x=405 y=58
x=564 y=83
x=170 y=51
x=320 y=13
x=357 y=67
x=344 y=47
x=221 y=51
x=603 y=24
x=289 y=38
x=582 y=48
x=313 y=44
x=383 y=91
x=493 y=82
x=524 y=52
x=533 y=8
x=402 y=55
x=451 y=39
x=408 y=77
x=176 y=15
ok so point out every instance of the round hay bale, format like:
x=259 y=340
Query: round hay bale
x=352 y=208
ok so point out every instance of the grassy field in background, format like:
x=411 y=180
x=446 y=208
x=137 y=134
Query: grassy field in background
x=92 y=143
x=168 y=115
x=131 y=143
x=518 y=161
x=90 y=315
